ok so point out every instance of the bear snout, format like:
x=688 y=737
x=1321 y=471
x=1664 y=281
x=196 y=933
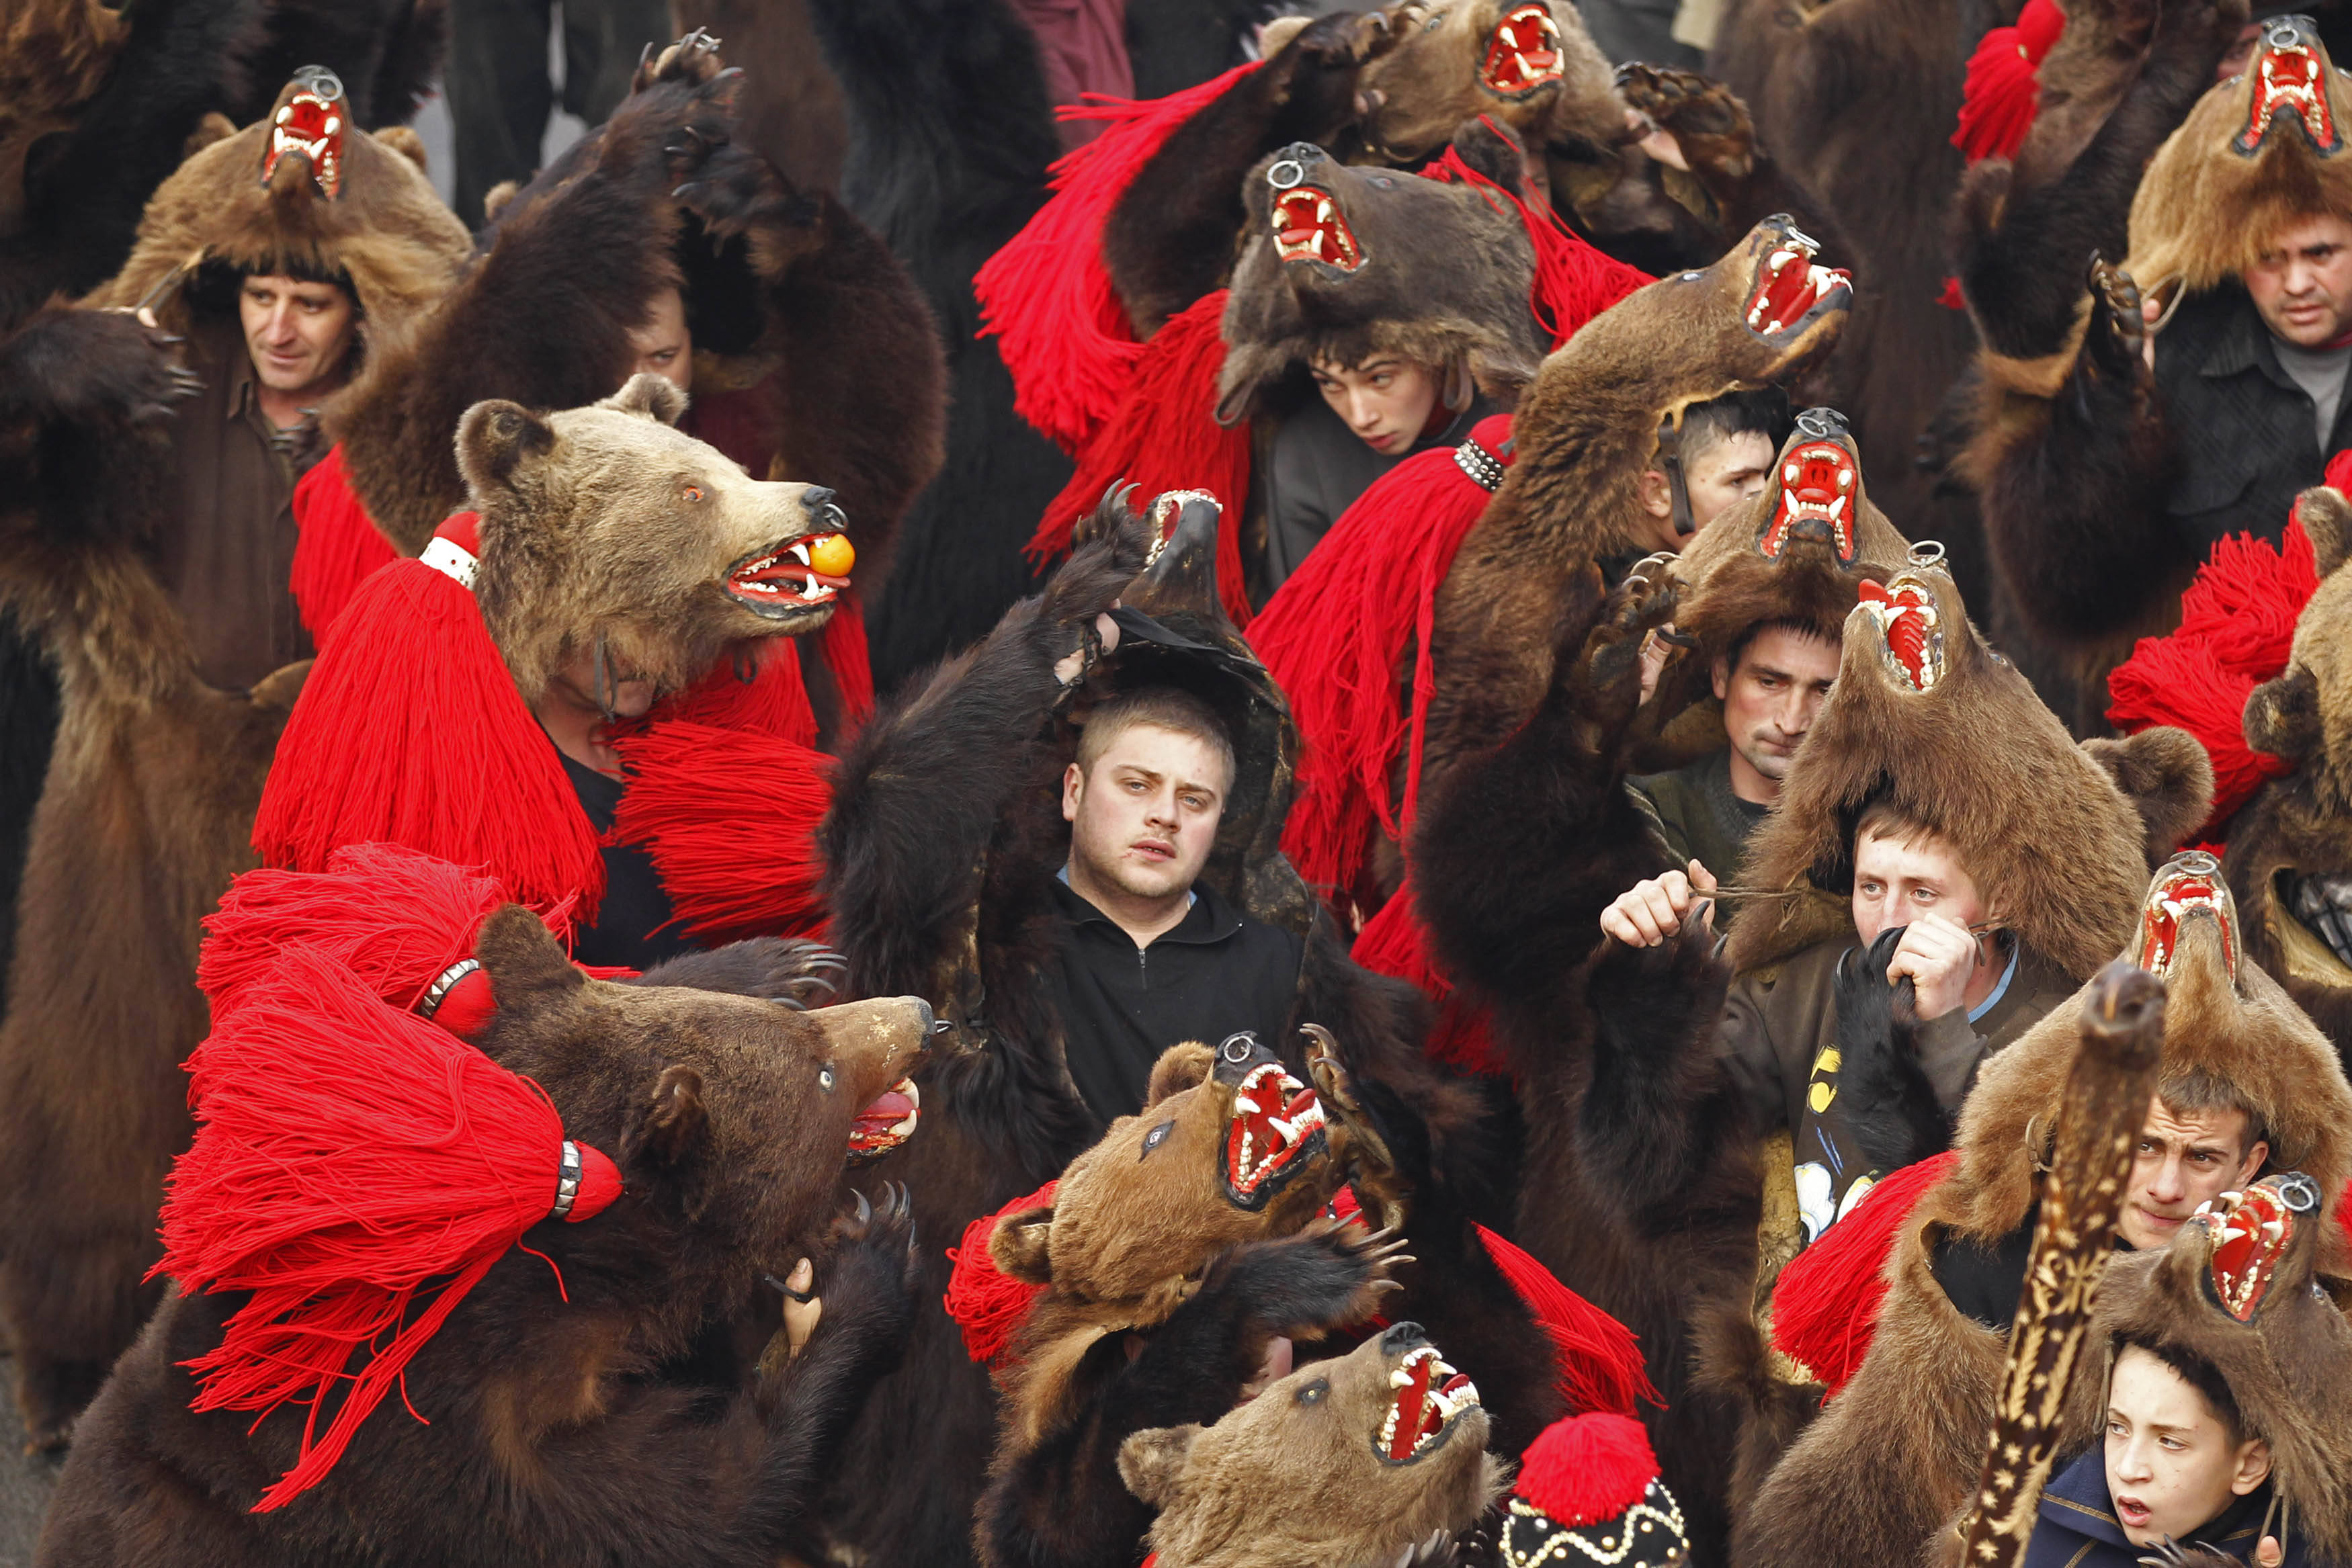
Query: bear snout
x=1398 y=1338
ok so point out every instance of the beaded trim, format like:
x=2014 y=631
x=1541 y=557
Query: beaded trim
x=567 y=1181
x=438 y=991
x=1483 y=467
x=1650 y=1533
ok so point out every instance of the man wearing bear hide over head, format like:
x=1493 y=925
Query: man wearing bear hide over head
x=943 y=882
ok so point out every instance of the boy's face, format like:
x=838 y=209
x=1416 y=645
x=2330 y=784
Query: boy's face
x=2185 y=1158
x=1386 y=400
x=2172 y=1466
x=1144 y=818
x=1896 y=883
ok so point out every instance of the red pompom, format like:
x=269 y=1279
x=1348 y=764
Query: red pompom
x=2004 y=94
x=1825 y=1303
x=1587 y=1468
x=986 y=1303
x=729 y=818
x=348 y=1156
x=410 y=731
x=1599 y=1359
x=1046 y=297
x=337 y=546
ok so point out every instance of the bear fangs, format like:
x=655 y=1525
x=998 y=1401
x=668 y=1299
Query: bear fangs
x=1294 y=1118
x=1437 y=1394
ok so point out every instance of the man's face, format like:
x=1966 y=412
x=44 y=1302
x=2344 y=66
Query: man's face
x=1727 y=469
x=1769 y=701
x=1386 y=400
x=663 y=345
x=2172 y=1466
x=2185 y=1158
x=1896 y=883
x=1145 y=817
x=297 y=333
x=2302 y=285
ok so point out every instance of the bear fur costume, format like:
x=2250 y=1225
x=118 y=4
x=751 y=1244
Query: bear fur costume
x=2286 y=844
x=950 y=132
x=1329 y=1430
x=549 y=1442
x=1894 y=1453
x=937 y=883
x=2070 y=456
x=152 y=785
x=1170 y=1258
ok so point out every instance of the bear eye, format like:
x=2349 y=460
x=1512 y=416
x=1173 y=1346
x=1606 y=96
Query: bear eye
x=1312 y=1393
x=692 y=492
x=824 y=1079
x=1157 y=1137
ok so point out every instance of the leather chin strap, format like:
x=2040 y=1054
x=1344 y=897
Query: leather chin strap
x=1670 y=462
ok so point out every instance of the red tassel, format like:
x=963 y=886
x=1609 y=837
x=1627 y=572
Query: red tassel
x=347 y=1155
x=1395 y=942
x=1952 y=297
x=1587 y=1468
x=410 y=731
x=1334 y=635
x=1825 y=1303
x=337 y=546
x=773 y=701
x=1164 y=436
x=397 y=919
x=986 y=1303
x=2004 y=88
x=1046 y=297
x=2237 y=630
x=1598 y=1359
x=730 y=820
x=1574 y=281
x=842 y=643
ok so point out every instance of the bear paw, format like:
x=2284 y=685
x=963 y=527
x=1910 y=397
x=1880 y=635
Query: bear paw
x=1601 y=680
x=799 y=975
x=693 y=60
x=870 y=1279
x=1329 y=1276
x=71 y=366
x=2119 y=306
x=1706 y=120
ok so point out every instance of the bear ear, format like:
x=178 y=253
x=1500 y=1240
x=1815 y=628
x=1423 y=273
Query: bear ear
x=1019 y=1245
x=496 y=438
x=1180 y=1067
x=673 y=1121
x=649 y=396
x=2326 y=516
x=2167 y=777
x=2282 y=714
x=1151 y=1462
x=527 y=966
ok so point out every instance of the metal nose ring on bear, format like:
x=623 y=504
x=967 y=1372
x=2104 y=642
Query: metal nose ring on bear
x=1239 y=1047
x=1282 y=176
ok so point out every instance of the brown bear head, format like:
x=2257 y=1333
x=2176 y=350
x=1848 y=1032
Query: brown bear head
x=1340 y=262
x=1346 y=1462
x=2239 y=1288
x=1530 y=65
x=605 y=524
x=727 y=1115
x=2224 y=1019
x=1229 y=1147
x=1926 y=712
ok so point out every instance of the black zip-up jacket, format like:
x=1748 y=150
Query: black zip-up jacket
x=1215 y=973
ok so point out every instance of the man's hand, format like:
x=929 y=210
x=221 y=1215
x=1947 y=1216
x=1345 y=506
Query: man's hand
x=1939 y=954
x=1071 y=666
x=1652 y=911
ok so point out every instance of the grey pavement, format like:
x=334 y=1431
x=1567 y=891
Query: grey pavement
x=24 y=1479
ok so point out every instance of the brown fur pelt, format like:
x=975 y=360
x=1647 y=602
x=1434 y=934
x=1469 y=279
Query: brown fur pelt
x=1440 y=278
x=2301 y=826
x=54 y=57
x=2058 y=849
x=1892 y=1455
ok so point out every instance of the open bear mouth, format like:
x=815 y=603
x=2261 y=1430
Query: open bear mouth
x=1522 y=53
x=2191 y=886
x=1909 y=629
x=1277 y=1120
x=1429 y=1396
x=2289 y=80
x=888 y=1123
x=1791 y=290
x=1309 y=227
x=2251 y=1232
x=311 y=123
x=781 y=581
x=1817 y=485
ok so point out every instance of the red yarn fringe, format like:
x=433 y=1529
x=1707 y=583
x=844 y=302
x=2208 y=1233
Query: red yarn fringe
x=1587 y=1468
x=1574 y=281
x=1164 y=435
x=347 y=1156
x=337 y=545
x=410 y=731
x=841 y=641
x=1600 y=1360
x=1048 y=298
x=773 y=701
x=730 y=819
x=2237 y=630
x=987 y=1305
x=2005 y=89
x=1825 y=1303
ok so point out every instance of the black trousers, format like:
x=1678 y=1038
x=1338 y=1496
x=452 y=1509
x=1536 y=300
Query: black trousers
x=499 y=86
